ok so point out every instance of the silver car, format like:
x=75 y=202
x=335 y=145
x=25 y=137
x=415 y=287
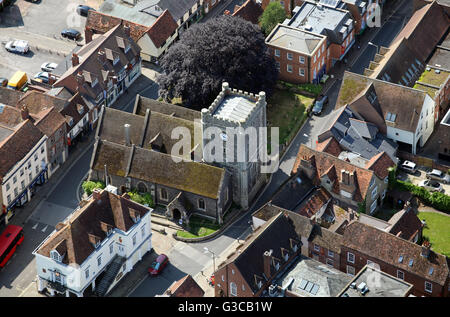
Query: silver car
x=48 y=67
x=439 y=176
x=431 y=185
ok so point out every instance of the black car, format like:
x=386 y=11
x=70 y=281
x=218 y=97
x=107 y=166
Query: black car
x=71 y=34
x=83 y=10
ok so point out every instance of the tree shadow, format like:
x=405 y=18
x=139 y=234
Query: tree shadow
x=11 y=16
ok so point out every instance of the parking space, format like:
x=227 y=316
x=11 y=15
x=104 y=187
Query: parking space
x=419 y=176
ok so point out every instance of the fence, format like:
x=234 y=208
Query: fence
x=423 y=161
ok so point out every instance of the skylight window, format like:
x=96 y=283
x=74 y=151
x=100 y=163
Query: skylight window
x=391 y=117
x=309 y=287
x=411 y=262
x=400 y=259
x=430 y=272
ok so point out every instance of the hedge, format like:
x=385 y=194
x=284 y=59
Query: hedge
x=436 y=200
x=143 y=199
x=89 y=186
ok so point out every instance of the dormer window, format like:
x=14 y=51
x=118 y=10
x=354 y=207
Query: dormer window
x=55 y=256
x=71 y=122
x=95 y=82
x=286 y=257
x=116 y=60
x=127 y=48
x=137 y=217
x=391 y=117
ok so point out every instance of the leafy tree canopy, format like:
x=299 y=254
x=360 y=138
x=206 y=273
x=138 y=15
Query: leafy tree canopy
x=272 y=15
x=222 y=49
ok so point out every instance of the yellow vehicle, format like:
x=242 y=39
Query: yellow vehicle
x=18 y=80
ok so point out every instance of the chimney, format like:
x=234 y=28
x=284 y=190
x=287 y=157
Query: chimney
x=101 y=56
x=127 y=134
x=426 y=246
x=75 y=59
x=126 y=29
x=97 y=193
x=352 y=179
x=267 y=261
x=106 y=176
x=88 y=34
x=24 y=112
x=80 y=79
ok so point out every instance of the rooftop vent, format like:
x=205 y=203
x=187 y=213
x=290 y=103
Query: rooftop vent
x=428 y=69
x=437 y=71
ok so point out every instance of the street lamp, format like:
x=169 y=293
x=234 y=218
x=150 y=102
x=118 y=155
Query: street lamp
x=214 y=257
x=376 y=46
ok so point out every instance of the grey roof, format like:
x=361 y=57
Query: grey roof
x=177 y=8
x=294 y=39
x=292 y=193
x=383 y=285
x=235 y=108
x=325 y=20
x=365 y=129
x=313 y=279
x=128 y=12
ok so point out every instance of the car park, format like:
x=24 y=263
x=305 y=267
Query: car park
x=17 y=46
x=48 y=67
x=71 y=34
x=319 y=104
x=43 y=76
x=158 y=265
x=409 y=167
x=83 y=10
x=439 y=176
x=431 y=185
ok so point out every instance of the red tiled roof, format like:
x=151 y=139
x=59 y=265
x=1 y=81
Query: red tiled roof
x=250 y=11
x=380 y=164
x=405 y=224
x=316 y=201
x=330 y=146
x=162 y=29
x=185 y=287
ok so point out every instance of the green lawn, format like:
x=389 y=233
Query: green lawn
x=287 y=111
x=437 y=231
x=198 y=227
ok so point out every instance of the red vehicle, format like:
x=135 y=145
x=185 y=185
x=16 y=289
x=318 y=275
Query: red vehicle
x=157 y=266
x=9 y=240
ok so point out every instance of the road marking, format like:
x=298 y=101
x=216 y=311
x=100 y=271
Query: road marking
x=43 y=230
x=35 y=226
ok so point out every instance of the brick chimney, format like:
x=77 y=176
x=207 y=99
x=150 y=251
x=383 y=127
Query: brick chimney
x=101 y=56
x=127 y=134
x=80 y=79
x=88 y=34
x=24 y=113
x=75 y=59
x=426 y=247
x=97 y=193
x=267 y=261
x=126 y=30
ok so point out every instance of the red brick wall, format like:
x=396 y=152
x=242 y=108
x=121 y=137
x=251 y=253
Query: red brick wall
x=417 y=281
x=322 y=256
x=228 y=277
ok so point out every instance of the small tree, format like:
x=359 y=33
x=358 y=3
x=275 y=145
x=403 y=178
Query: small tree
x=272 y=15
x=89 y=186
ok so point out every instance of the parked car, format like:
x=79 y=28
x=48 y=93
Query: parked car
x=17 y=46
x=48 y=67
x=319 y=104
x=42 y=76
x=409 y=167
x=3 y=82
x=83 y=10
x=157 y=266
x=439 y=176
x=431 y=185
x=71 y=34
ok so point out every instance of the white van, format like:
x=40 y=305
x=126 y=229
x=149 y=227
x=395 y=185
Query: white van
x=17 y=46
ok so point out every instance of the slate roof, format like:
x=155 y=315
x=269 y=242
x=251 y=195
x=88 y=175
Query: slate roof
x=250 y=11
x=142 y=104
x=111 y=209
x=388 y=248
x=159 y=168
x=17 y=145
x=177 y=8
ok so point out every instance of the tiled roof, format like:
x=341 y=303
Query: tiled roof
x=185 y=287
x=317 y=200
x=111 y=209
x=324 y=161
x=389 y=248
x=159 y=168
x=380 y=165
x=9 y=96
x=17 y=145
x=330 y=146
x=162 y=29
x=405 y=224
x=250 y=11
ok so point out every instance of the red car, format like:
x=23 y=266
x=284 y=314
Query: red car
x=158 y=265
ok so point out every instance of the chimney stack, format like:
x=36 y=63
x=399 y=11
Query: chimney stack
x=267 y=261
x=127 y=134
x=88 y=34
x=97 y=193
x=24 y=113
x=126 y=29
x=426 y=249
x=75 y=59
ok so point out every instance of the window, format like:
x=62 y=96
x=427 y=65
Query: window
x=37 y=169
x=243 y=287
x=21 y=172
x=233 y=289
x=314 y=58
x=22 y=183
x=35 y=157
x=386 y=180
x=163 y=194
x=277 y=64
x=42 y=150
x=232 y=272
x=7 y=186
x=289 y=56
x=134 y=239
x=350 y=270
x=350 y=257
x=86 y=273
x=16 y=192
x=143 y=232
x=316 y=247
x=330 y=262
x=201 y=204
x=14 y=180
x=372 y=182
x=289 y=68
x=277 y=53
x=223 y=279
x=111 y=248
x=99 y=260
x=330 y=254
x=374 y=193
x=373 y=206
x=400 y=275
x=302 y=59
x=55 y=255
x=428 y=287
x=9 y=199
x=301 y=72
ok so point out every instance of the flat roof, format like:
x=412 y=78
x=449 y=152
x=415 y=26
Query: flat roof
x=129 y=12
x=380 y=284
x=318 y=18
x=294 y=39
x=235 y=108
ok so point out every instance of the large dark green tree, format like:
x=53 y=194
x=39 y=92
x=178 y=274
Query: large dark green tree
x=222 y=49
x=272 y=15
